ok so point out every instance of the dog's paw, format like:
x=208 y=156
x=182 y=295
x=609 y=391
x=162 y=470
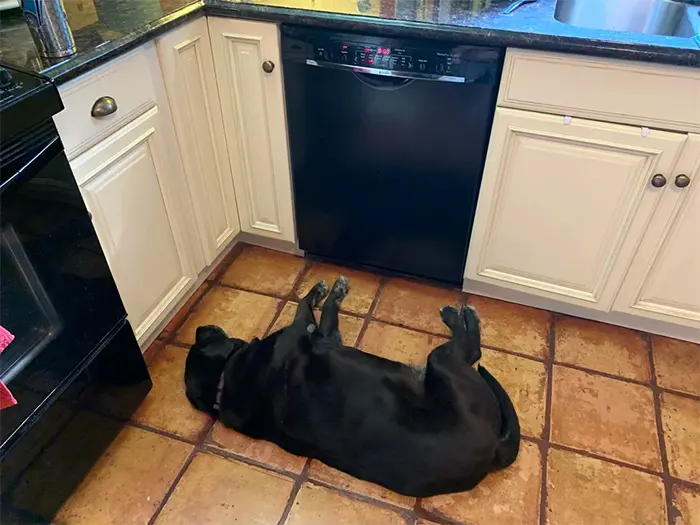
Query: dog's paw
x=340 y=288
x=318 y=292
x=450 y=316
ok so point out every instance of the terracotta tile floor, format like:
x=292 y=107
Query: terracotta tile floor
x=611 y=418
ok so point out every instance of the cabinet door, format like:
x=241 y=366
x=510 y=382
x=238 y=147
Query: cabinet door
x=664 y=279
x=254 y=119
x=125 y=183
x=563 y=205
x=188 y=69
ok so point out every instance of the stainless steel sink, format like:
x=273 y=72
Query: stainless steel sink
x=656 y=17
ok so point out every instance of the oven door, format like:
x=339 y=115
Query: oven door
x=57 y=295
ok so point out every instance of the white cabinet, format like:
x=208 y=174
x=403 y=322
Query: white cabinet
x=564 y=206
x=131 y=191
x=190 y=80
x=252 y=104
x=664 y=280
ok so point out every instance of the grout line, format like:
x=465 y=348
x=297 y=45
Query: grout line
x=296 y=287
x=405 y=512
x=514 y=353
x=665 y=476
x=369 y=316
x=215 y=449
x=164 y=433
x=197 y=448
x=684 y=482
x=546 y=431
x=604 y=374
x=686 y=395
x=275 y=317
x=618 y=462
x=172 y=336
x=432 y=516
x=298 y=482
x=250 y=290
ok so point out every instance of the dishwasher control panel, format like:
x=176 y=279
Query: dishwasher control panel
x=385 y=56
x=389 y=56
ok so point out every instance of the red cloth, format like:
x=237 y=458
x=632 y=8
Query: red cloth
x=6 y=397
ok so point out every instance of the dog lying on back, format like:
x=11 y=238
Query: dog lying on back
x=420 y=433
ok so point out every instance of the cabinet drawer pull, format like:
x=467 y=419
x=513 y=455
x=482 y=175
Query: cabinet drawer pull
x=268 y=66
x=103 y=106
x=658 y=181
x=682 y=180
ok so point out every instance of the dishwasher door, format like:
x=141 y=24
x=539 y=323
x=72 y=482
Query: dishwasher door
x=387 y=161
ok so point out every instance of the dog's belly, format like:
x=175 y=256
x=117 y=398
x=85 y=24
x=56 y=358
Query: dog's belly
x=430 y=457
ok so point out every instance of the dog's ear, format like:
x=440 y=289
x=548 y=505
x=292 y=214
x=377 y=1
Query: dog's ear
x=209 y=334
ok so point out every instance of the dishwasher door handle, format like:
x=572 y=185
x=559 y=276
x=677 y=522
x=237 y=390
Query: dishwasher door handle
x=387 y=72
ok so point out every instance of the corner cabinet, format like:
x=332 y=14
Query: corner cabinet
x=126 y=182
x=127 y=165
x=564 y=204
x=249 y=78
x=188 y=70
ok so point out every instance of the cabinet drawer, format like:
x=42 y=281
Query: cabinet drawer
x=127 y=80
x=650 y=95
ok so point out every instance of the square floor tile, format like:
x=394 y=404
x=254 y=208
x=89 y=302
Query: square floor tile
x=677 y=364
x=182 y=313
x=525 y=381
x=349 y=325
x=321 y=472
x=226 y=261
x=126 y=485
x=315 y=505
x=217 y=490
x=686 y=505
x=241 y=314
x=256 y=449
x=399 y=344
x=363 y=285
x=166 y=406
x=512 y=326
x=264 y=271
x=508 y=497
x=603 y=347
x=605 y=416
x=415 y=305
x=588 y=491
x=681 y=422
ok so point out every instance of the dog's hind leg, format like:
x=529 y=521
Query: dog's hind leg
x=329 y=312
x=305 y=310
x=466 y=338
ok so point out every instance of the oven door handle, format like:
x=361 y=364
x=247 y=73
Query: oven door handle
x=31 y=163
x=386 y=72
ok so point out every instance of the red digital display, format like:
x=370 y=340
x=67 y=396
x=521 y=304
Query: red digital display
x=345 y=46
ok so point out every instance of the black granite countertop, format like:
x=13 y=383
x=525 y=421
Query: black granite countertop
x=106 y=28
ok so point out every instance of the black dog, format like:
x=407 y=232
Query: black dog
x=420 y=433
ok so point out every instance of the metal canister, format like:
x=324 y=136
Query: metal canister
x=49 y=27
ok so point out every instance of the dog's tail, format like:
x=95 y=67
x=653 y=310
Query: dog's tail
x=509 y=441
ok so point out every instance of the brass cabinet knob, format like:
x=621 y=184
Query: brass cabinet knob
x=682 y=180
x=268 y=66
x=103 y=106
x=658 y=181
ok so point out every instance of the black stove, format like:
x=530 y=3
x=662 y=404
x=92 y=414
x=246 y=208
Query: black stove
x=73 y=343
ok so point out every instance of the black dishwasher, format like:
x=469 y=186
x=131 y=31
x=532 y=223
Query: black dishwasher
x=388 y=139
